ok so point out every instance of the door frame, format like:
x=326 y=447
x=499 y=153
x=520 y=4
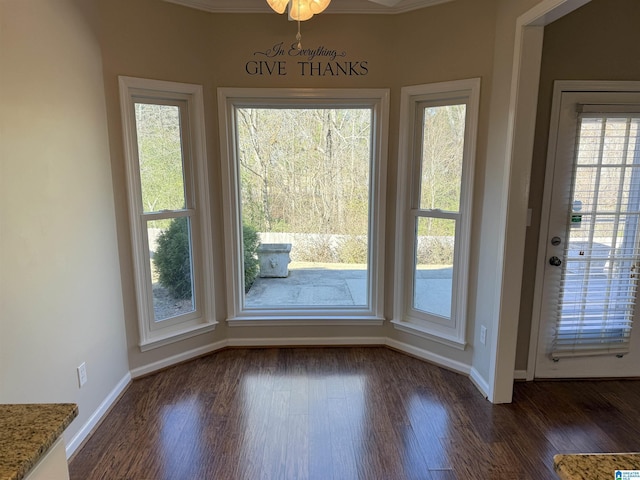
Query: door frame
x=559 y=88
x=493 y=370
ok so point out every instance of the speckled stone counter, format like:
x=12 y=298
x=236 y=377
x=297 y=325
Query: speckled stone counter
x=26 y=433
x=594 y=466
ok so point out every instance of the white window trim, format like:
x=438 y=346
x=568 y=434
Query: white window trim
x=378 y=100
x=155 y=334
x=451 y=333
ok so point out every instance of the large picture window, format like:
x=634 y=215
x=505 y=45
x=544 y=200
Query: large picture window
x=165 y=156
x=305 y=225
x=436 y=164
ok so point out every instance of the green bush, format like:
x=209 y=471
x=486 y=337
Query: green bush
x=173 y=260
x=250 y=242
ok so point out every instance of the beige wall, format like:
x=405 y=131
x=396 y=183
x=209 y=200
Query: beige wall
x=60 y=290
x=153 y=39
x=600 y=41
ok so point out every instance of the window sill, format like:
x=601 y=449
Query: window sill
x=429 y=334
x=166 y=338
x=302 y=321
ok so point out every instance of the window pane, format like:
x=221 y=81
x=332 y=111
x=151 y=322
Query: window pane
x=442 y=150
x=591 y=135
x=160 y=157
x=171 y=267
x=433 y=273
x=304 y=188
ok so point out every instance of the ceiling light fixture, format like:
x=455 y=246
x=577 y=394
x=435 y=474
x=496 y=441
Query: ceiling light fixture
x=299 y=10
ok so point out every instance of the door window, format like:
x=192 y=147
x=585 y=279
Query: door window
x=602 y=251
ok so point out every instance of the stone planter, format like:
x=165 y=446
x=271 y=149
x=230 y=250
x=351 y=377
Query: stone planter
x=274 y=259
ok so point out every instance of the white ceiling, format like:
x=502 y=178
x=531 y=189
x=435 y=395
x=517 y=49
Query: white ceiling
x=336 y=6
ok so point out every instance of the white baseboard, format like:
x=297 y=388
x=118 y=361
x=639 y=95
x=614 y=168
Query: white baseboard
x=175 y=359
x=429 y=356
x=305 y=341
x=96 y=417
x=480 y=382
x=520 y=375
x=253 y=342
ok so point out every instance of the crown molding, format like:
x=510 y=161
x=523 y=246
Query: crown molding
x=388 y=7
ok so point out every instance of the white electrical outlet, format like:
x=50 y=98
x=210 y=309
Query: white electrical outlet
x=483 y=334
x=82 y=374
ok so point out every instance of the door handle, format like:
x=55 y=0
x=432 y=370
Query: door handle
x=555 y=261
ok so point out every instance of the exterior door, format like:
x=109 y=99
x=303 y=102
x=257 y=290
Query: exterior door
x=592 y=243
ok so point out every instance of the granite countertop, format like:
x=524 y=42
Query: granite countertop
x=594 y=466
x=26 y=433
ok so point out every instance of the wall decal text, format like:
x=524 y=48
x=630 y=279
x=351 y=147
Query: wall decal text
x=307 y=62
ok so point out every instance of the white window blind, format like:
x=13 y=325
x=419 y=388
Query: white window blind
x=602 y=257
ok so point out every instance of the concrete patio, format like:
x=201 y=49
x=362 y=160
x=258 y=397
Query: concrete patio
x=335 y=285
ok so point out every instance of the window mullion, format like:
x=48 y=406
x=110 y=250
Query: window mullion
x=168 y=214
x=436 y=213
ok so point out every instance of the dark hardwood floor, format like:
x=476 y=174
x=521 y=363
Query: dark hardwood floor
x=348 y=413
